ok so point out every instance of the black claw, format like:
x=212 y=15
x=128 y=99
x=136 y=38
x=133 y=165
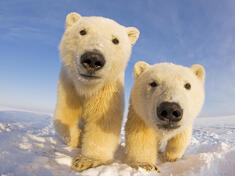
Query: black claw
x=77 y=159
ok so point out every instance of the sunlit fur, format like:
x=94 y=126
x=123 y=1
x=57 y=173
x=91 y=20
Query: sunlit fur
x=98 y=102
x=144 y=137
x=100 y=32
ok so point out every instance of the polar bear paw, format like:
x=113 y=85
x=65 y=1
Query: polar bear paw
x=146 y=166
x=81 y=163
x=171 y=157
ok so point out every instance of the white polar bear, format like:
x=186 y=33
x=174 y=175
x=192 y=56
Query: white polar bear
x=164 y=102
x=94 y=53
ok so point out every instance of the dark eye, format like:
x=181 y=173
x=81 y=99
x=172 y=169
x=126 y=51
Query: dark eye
x=153 y=84
x=115 y=41
x=187 y=86
x=83 y=32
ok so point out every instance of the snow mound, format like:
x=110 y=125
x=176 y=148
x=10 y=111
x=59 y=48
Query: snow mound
x=29 y=146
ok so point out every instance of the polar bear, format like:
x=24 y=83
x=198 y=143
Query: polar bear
x=94 y=53
x=164 y=101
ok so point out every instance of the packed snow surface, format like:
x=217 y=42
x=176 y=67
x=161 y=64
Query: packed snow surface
x=29 y=146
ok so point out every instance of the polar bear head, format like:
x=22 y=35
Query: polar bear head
x=167 y=96
x=95 y=50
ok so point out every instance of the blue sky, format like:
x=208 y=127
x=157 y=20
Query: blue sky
x=182 y=31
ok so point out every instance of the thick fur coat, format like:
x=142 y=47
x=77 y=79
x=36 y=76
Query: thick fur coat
x=147 y=129
x=90 y=95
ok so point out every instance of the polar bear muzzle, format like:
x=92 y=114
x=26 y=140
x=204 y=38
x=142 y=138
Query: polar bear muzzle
x=170 y=112
x=92 y=61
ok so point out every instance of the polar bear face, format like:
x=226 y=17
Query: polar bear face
x=95 y=50
x=168 y=96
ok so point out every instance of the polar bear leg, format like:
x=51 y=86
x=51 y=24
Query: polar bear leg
x=101 y=135
x=177 y=145
x=99 y=143
x=98 y=147
x=141 y=143
x=101 y=138
x=67 y=114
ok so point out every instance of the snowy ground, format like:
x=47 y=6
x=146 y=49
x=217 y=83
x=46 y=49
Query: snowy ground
x=29 y=146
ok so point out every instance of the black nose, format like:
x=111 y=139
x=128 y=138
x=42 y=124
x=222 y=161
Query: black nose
x=92 y=60
x=170 y=111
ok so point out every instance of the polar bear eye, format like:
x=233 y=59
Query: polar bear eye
x=187 y=86
x=153 y=84
x=83 y=32
x=115 y=41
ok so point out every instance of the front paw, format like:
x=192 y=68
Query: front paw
x=81 y=163
x=171 y=157
x=145 y=165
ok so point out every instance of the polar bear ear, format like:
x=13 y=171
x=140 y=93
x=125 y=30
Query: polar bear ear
x=133 y=34
x=139 y=68
x=72 y=18
x=199 y=71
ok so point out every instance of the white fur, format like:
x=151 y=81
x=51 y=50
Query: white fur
x=171 y=79
x=99 y=101
x=143 y=123
x=100 y=32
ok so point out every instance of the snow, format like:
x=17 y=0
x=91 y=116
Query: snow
x=29 y=146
